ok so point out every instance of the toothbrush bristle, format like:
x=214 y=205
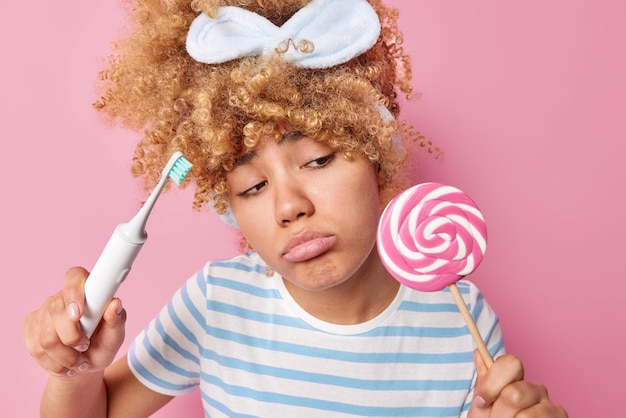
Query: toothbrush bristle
x=179 y=170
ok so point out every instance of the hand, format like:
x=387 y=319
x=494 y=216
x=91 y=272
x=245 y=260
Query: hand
x=502 y=392
x=54 y=338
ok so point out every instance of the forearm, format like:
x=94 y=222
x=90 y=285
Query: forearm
x=73 y=397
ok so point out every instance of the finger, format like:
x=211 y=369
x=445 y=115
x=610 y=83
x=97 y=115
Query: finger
x=51 y=366
x=70 y=368
x=518 y=396
x=66 y=329
x=31 y=336
x=74 y=292
x=50 y=353
x=543 y=409
x=505 y=370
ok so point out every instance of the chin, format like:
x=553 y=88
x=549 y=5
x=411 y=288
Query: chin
x=316 y=277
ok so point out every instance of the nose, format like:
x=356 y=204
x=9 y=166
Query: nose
x=291 y=202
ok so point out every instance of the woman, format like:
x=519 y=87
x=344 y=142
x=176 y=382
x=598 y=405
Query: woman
x=287 y=111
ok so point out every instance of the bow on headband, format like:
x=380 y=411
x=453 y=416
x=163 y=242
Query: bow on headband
x=322 y=34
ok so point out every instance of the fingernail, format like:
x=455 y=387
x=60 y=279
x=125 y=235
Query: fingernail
x=479 y=402
x=72 y=311
x=70 y=373
x=82 y=347
x=120 y=308
x=82 y=367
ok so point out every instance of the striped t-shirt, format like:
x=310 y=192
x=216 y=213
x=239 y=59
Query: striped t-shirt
x=234 y=331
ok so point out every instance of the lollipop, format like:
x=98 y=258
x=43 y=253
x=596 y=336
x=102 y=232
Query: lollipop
x=429 y=237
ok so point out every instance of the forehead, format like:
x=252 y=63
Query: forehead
x=283 y=137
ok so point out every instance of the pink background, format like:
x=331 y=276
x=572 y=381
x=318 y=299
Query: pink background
x=527 y=100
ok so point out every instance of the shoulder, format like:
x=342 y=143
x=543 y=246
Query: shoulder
x=247 y=263
x=442 y=302
x=243 y=274
x=470 y=293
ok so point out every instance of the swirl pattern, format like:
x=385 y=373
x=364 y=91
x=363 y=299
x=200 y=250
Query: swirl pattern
x=430 y=236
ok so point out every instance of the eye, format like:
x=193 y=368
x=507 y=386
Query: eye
x=322 y=161
x=253 y=190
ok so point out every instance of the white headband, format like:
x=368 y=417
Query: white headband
x=322 y=34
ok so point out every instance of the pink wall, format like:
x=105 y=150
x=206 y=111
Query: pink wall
x=527 y=99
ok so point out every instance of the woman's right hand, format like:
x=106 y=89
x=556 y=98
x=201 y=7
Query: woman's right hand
x=55 y=339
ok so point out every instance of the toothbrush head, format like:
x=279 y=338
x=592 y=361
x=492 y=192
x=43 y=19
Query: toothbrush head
x=177 y=167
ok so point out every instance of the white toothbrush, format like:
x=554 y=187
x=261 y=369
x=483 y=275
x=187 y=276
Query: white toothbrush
x=117 y=258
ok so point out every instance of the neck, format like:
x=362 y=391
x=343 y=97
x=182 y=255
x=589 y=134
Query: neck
x=359 y=299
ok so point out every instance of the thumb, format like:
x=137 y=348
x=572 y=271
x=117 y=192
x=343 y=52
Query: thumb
x=481 y=367
x=479 y=408
x=109 y=336
x=112 y=326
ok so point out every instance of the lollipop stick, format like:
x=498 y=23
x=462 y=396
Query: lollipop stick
x=480 y=344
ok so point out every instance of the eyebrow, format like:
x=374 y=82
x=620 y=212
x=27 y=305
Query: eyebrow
x=288 y=136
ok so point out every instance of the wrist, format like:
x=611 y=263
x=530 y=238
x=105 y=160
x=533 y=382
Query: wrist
x=71 y=396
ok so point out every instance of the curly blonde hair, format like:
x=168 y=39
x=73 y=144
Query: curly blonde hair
x=212 y=112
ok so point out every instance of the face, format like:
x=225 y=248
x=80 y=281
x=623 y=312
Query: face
x=310 y=212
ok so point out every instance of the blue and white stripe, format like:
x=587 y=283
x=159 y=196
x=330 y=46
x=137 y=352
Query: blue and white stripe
x=239 y=336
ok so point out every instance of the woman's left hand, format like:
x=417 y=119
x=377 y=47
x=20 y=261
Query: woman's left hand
x=502 y=392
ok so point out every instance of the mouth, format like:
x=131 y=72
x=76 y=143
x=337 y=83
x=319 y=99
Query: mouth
x=308 y=245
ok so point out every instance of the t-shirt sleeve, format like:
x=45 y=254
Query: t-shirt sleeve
x=165 y=356
x=488 y=325
x=487 y=321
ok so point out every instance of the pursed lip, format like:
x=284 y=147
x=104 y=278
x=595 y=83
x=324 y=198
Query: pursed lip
x=307 y=245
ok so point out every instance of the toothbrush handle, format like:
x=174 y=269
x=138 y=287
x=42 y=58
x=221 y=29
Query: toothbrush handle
x=107 y=274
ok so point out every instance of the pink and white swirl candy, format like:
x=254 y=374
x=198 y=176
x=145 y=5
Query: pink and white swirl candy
x=430 y=236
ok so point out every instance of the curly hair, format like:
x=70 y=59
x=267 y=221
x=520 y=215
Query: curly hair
x=211 y=113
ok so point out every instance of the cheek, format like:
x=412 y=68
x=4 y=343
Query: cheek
x=366 y=190
x=363 y=202
x=255 y=223
x=250 y=224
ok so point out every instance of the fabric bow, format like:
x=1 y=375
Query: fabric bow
x=322 y=34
